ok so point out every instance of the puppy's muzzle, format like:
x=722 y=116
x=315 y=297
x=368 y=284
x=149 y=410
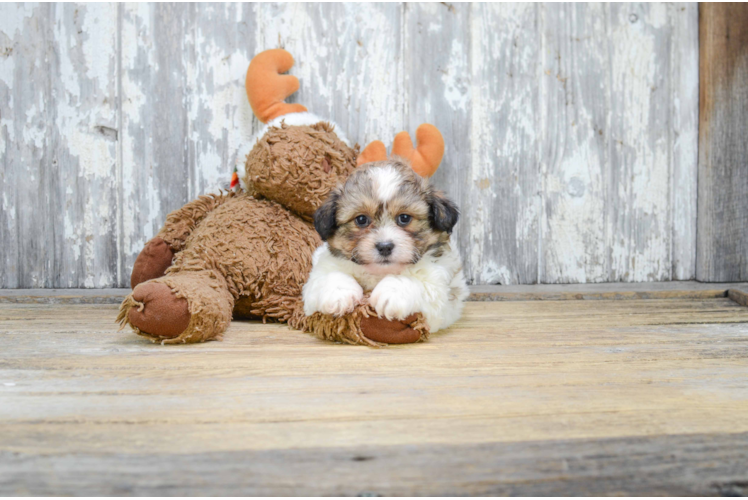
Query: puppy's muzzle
x=385 y=248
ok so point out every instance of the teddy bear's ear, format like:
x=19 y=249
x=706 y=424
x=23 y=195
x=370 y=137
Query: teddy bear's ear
x=267 y=87
x=427 y=156
x=375 y=151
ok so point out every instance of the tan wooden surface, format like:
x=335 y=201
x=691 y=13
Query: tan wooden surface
x=632 y=396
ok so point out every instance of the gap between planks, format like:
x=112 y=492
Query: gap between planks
x=738 y=292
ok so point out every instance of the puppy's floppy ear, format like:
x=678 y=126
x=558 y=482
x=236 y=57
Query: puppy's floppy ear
x=324 y=218
x=443 y=213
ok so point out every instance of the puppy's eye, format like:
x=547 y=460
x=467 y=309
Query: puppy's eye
x=404 y=219
x=362 y=221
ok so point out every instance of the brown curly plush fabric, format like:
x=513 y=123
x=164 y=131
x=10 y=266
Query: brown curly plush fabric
x=263 y=252
x=249 y=254
x=298 y=166
x=253 y=251
x=362 y=327
x=180 y=223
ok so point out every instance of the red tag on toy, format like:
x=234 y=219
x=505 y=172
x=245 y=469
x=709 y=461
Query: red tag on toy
x=234 y=179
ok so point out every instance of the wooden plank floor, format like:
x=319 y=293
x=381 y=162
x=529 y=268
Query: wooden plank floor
x=529 y=397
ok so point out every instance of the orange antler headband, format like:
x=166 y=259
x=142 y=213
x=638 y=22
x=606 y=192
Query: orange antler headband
x=424 y=159
x=267 y=87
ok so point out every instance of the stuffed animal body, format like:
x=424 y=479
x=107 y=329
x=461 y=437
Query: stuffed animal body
x=248 y=254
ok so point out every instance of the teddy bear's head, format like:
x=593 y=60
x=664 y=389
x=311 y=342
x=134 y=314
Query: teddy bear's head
x=299 y=165
x=298 y=159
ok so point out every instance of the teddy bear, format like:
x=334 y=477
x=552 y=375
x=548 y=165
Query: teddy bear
x=247 y=254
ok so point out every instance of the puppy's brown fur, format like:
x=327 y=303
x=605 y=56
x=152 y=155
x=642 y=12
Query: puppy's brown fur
x=432 y=215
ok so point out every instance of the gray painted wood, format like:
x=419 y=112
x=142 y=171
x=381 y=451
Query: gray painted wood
x=59 y=145
x=618 y=163
x=437 y=53
x=684 y=128
x=574 y=161
x=723 y=149
x=502 y=213
x=155 y=120
x=327 y=42
x=570 y=129
x=638 y=183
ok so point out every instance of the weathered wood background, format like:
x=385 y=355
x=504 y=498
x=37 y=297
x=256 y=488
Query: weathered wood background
x=722 y=252
x=571 y=129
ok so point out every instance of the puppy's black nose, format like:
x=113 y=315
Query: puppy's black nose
x=385 y=248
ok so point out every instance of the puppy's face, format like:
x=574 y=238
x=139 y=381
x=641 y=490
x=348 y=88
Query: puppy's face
x=385 y=217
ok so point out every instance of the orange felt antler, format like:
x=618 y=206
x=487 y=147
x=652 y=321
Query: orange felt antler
x=427 y=156
x=424 y=159
x=375 y=151
x=267 y=87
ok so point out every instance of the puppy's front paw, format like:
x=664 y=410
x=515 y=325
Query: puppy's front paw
x=341 y=300
x=395 y=298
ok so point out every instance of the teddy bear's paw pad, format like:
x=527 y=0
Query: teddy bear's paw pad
x=152 y=262
x=390 y=332
x=159 y=312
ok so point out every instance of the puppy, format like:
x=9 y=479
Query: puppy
x=386 y=231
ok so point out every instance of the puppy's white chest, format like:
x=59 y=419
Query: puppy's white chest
x=368 y=281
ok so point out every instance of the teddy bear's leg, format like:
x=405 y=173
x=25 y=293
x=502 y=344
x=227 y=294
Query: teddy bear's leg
x=152 y=262
x=180 y=307
x=158 y=253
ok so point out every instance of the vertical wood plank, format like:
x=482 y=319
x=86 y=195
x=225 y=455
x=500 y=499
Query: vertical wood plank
x=221 y=42
x=619 y=184
x=62 y=157
x=436 y=53
x=575 y=92
x=155 y=121
x=722 y=248
x=348 y=60
x=84 y=99
x=639 y=144
x=502 y=216
x=24 y=32
x=684 y=131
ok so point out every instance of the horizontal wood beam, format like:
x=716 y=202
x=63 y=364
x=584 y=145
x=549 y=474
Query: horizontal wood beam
x=479 y=293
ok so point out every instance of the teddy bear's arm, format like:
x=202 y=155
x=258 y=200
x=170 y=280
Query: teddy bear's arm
x=158 y=253
x=180 y=223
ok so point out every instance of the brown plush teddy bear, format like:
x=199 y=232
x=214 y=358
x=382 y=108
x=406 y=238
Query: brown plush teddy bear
x=248 y=254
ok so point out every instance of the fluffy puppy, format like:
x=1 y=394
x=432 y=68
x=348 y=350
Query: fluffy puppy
x=386 y=231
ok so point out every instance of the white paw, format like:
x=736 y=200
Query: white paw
x=341 y=300
x=394 y=298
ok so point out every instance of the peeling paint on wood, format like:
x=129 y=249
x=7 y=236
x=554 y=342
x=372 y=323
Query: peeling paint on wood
x=570 y=129
x=57 y=94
